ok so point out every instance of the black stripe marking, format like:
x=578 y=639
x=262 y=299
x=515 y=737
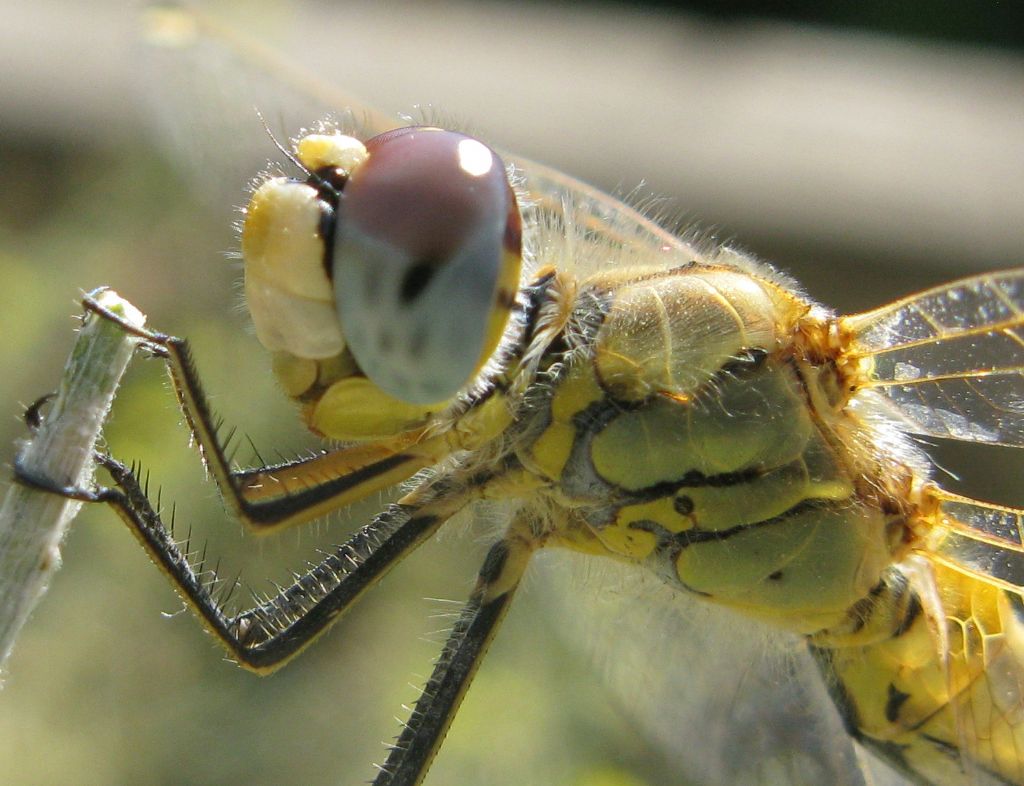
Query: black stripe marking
x=692 y=537
x=954 y=753
x=910 y=613
x=329 y=182
x=494 y=563
x=950 y=750
x=863 y=609
x=894 y=701
x=837 y=690
x=695 y=479
x=672 y=543
x=270 y=511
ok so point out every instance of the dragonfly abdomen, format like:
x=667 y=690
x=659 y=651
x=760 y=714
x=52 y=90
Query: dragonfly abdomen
x=933 y=690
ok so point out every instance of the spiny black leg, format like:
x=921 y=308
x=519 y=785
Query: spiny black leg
x=416 y=746
x=264 y=637
x=30 y=479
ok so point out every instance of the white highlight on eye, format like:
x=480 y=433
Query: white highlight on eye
x=475 y=158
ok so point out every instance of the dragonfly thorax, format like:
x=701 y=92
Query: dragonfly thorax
x=684 y=430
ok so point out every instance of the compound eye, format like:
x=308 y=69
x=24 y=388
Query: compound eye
x=426 y=261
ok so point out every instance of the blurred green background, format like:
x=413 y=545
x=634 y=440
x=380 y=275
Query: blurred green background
x=866 y=164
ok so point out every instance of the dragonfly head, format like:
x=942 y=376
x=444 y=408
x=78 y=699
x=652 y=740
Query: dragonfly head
x=396 y=260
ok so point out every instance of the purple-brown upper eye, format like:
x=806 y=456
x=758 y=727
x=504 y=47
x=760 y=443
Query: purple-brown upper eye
x=420 y=246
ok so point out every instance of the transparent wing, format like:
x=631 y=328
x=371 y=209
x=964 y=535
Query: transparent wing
x=977 y=564
x=982 y=539
x=209 y=80
x=951 y=359
x=603 y=227
x=212 y=88
x=727 y=700
x=950 y=362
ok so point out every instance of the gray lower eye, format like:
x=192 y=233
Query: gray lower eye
x=420 y=245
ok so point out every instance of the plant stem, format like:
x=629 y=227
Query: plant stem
x=33 y=523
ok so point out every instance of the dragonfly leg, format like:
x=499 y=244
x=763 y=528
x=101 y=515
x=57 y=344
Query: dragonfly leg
x=33 y=480
x=264 y=637
x=416 y=746
x=271 y=497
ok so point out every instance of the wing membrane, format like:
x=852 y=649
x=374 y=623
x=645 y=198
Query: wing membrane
x=746 y=688
x=191 y=45
x=622 y=233
x=982 y=539
x=951 y=359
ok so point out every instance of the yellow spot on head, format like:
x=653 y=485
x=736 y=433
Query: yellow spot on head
x=296 y=375
x=334 y=151
x=356 y=409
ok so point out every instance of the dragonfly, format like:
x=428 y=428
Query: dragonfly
x=620 y=392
